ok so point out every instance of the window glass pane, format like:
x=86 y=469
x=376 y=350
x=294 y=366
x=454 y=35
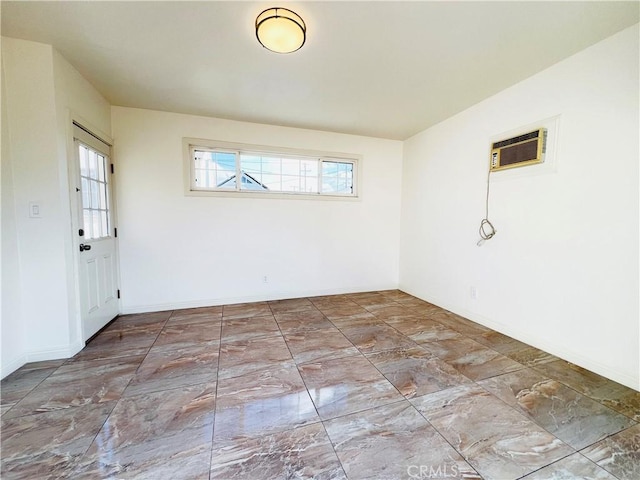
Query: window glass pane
x=272 y=172
x=337 y=177
x=290 y=175
x=215 y=169
x=225 y=160
x=309 y=176
x=309 y=167
x=251 y=183
x=290 y=166
x=272 y=182
x=224 y=179
x=290 y=183
x=252 y=165
x=309 y=184
x=201 y=178
x=199 y=159
x=260 y=172
x=271 y=165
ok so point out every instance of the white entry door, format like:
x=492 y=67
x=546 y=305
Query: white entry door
x=98 y=262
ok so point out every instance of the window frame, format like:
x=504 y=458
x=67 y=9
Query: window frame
x=190 y=145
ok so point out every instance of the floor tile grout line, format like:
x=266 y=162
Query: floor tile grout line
x=408 y=402
x=78 y=463
x=333 y=445
x=579 y=452
x=149 y=349
x=437 y=356
x=310 y=397
x=501 y=374
x=428 y=422
x=548 y=377
x=547 y=465
x=525 y=416
x=403 y=398
x=215 y=407
x=315 y=406
x=104 y=359
x=465 y=458
x=543 y=373
x=31 y=390
x=478 y=385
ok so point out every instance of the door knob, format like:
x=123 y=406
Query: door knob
x=84 y=247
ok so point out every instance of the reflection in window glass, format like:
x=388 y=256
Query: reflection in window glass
x=282 y=174
x=215 y=169
x=337 y=177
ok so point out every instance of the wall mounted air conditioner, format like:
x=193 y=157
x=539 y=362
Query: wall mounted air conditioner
x=519 y=151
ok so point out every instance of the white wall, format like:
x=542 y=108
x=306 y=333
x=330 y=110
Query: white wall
x=178 y=250
x=562 y=271
x=76 y=100
x=11 y=332
x=40 y=90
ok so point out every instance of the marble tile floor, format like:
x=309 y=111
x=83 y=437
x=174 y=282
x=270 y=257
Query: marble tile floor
x=376 y=385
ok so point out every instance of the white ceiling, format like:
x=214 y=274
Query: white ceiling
x=383 y=69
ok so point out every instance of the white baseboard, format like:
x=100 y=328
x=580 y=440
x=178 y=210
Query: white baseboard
x=65 y=351
x=161 y=307
x=559 y=350
x=55 y=353
x=12 y=365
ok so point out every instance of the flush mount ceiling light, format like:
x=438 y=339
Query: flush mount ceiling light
x=280 y=30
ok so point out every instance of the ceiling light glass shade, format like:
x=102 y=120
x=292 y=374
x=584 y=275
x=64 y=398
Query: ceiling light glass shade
x=280 y=30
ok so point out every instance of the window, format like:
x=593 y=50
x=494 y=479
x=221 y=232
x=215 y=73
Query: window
x=217 y=167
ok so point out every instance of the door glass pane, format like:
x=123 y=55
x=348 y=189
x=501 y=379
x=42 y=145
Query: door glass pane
x=93 y=164
x=95 y=194
x=88 y=223
x=86 y=193
x=94 y=188
x=104 y=224
x=97 y=224
x=101 y=167
x=84 y=161
x=103 y=196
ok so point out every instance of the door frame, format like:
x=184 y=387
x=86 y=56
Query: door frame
x=73 y=172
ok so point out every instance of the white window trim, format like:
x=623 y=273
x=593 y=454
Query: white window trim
x=198 y=143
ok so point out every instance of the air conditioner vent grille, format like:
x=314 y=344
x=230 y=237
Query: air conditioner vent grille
x=518 y=139
x=518 y=151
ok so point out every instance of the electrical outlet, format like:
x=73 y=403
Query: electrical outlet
x=35 y=210
x=473 y=292
x=265 y=279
